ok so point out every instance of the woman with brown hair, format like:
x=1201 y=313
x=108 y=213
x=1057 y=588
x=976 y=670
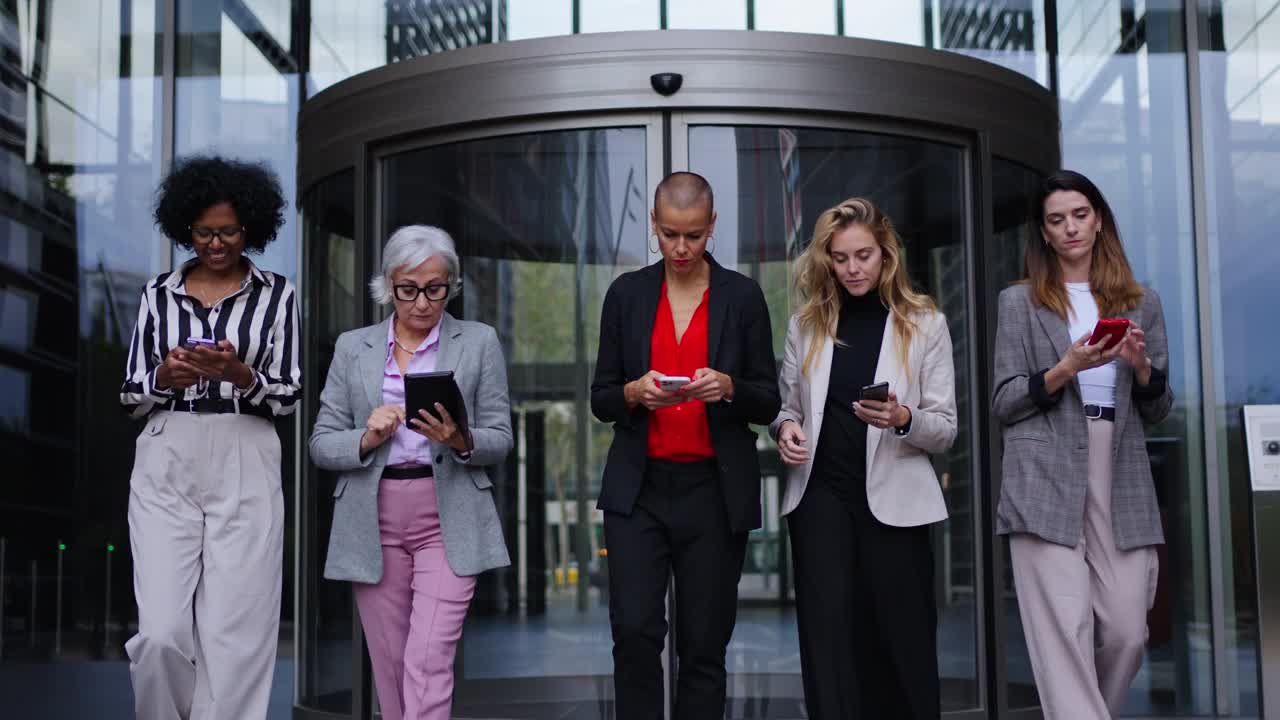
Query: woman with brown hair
x=1077 y=499
x=861 y=492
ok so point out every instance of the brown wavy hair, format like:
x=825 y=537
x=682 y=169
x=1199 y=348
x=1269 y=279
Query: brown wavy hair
x=1111 y=279
x=819 y=290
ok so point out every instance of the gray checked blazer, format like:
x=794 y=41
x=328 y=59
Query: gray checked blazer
x=473 y=539
x=1046 y=441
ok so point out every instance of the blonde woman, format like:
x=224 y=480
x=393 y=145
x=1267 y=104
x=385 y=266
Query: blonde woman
x=861 y=492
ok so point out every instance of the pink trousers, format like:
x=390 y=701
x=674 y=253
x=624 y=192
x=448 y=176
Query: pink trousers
x=413 y=617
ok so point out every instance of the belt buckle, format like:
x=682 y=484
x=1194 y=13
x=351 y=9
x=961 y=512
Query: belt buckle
x=1093 y=412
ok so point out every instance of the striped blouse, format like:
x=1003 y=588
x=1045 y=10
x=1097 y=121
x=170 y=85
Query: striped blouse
x=260 y=320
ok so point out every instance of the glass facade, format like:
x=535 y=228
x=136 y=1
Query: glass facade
x=1173 y=110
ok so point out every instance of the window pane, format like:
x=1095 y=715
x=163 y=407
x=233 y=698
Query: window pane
x=1011 y=33
x=611 y=15
x=334 y=299
x=1124 y=124
x=1240 y=104
x=538 y=18
x=1013 y=190
x=903 y=21
x=707 y=14
x=79 y=103
x=808 y=16
x=237 y=96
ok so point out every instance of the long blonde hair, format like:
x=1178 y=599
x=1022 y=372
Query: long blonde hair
x=819 y=291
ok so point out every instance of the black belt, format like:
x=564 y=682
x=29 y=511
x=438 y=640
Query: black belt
x=1098 y=412
x=411 y=472
x=218 y=406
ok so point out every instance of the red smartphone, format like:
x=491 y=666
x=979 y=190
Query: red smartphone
x=1109 y=331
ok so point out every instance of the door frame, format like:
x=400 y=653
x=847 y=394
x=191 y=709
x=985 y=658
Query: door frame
x=967 y=142
x=591 y=81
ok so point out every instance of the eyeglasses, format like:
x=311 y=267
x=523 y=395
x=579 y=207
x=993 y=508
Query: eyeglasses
x=205 y=235
x=409 y=293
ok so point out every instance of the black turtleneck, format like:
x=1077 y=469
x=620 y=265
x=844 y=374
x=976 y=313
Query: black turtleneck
x=841 y=458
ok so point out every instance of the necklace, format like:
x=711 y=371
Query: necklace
x=401 y=345
x=211 y=296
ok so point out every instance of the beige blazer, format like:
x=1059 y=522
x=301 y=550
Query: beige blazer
x=902 y=487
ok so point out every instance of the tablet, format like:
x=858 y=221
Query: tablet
x=423 y=390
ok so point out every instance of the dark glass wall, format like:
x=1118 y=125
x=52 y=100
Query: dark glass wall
x=335 y=301
x=78 y=116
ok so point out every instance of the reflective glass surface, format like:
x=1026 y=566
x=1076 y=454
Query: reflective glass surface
x=236 y=95
x=78 y=162
x=1013 y=190
x=1240 y=107
x=543 y=223
x=1123 y=101
x=334 y=304
x=771 y=183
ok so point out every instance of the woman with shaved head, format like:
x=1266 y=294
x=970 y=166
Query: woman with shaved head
x=685 y=363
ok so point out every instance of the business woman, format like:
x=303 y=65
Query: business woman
x=212 y=362
x=681 y=483
x=414 y=519
x=1077 y=499
x=861 y=491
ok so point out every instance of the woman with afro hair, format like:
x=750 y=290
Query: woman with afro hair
x=212 y=361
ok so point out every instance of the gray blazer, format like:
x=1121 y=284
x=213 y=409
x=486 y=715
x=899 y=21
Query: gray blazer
x=1046 y=441
x=473 y=539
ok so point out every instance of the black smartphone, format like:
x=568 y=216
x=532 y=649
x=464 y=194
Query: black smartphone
x=878 y=392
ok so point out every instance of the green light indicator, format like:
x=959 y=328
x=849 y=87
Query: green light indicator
x=62 y=546
x=111 y=548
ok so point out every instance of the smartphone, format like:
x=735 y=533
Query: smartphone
x=1109 y=331
x=878 y=392
x=671 y=383
x=194 y=342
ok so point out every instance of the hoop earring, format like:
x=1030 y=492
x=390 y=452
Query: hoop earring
x=653 y=249
x=711 y=244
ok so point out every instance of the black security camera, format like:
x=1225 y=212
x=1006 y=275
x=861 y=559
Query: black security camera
x=1271 y=447
x=666 y=83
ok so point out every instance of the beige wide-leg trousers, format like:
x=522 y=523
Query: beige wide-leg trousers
x=206 y=524
x=1084 y=609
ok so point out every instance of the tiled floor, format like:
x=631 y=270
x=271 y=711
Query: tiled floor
x=553 y=667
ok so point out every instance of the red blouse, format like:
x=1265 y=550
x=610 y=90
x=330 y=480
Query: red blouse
x=679 y=433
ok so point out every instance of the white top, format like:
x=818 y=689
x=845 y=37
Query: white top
x=1097 y=386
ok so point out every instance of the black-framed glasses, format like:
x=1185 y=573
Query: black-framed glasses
x=435 y=292
x=226 y=233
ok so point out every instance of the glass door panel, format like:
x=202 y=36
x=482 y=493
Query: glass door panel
x=544 y=221
x=771 y=182
x=334 y=292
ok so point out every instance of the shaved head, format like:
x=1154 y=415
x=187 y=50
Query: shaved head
x=684 y=190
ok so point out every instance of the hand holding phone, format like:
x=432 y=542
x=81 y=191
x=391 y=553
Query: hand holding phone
x=645 y=391
x=1109 y=331
x=671 y=383
x=878 y=392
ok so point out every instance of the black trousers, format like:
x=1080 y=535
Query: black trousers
x=679 y=525
x=865 y=607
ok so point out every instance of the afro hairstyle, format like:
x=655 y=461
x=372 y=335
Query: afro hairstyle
x=199 y=182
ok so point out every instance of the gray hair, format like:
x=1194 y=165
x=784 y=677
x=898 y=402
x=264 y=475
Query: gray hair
x=409 y=247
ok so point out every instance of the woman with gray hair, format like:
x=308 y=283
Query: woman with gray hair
x=414 y=519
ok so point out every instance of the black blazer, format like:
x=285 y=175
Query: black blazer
x=739 y=344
